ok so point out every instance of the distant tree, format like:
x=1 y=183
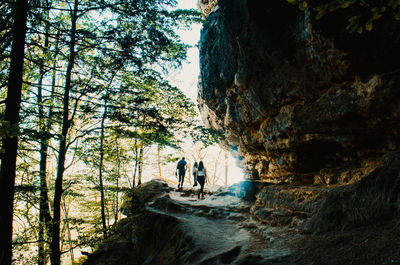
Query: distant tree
x=55 y=255
x=42 y=64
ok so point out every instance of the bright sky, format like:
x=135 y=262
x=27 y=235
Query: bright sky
x=187 y=79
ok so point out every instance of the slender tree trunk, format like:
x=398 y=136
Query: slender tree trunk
x=68 y=231
x=214 y=178
x=10 y=141
x=101 y=186
x=140 y=164
x=159 y=159
x=117 y=193
x=136 y=163
x=226 y=168
x=44 y=209
x=55 y=242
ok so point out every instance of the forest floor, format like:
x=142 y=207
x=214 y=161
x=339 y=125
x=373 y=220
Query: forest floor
x=222 y=226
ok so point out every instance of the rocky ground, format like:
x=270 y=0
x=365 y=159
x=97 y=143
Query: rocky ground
x=222 y=228
x=369 y=244
x=377 y=243
x=236 y=226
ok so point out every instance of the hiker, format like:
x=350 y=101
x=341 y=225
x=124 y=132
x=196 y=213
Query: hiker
x=194 y=172
x=201 y=178
x=181 y=167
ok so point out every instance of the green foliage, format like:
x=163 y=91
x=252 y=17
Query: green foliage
x=170 y=158
x=124 y=51
x=362 y=13
x=80 y=261
x=5 y=44
x=207 y=136
x=7 y=129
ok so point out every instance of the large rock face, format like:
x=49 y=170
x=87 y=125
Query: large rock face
x=300 y=98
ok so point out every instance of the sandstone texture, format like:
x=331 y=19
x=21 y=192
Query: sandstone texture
x=206 y=6
x=302 y=100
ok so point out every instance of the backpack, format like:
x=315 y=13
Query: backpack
x=181 y=165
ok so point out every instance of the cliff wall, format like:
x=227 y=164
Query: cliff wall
x=303 y=100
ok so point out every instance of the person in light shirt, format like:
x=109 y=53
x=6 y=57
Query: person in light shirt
x=201 y=178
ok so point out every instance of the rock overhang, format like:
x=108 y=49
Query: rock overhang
x=294 y=94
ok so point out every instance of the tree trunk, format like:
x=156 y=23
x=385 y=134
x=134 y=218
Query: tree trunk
x=44 y=210
x=117 y=193
x=140 y=164
x=101 y=186
x=68 y=231
x=10 y=141
x=214 y=178
x=226 y=168
x=159 y=159
x=136 y=164
x=55 y=242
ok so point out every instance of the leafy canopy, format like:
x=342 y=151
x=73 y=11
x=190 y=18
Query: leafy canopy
x=362 y=13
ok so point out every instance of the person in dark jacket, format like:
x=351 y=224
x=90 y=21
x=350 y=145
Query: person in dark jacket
x=181 y=168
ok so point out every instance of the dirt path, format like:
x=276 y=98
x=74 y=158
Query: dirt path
x=166 y=226
x=222 y=229
x=224 y=232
